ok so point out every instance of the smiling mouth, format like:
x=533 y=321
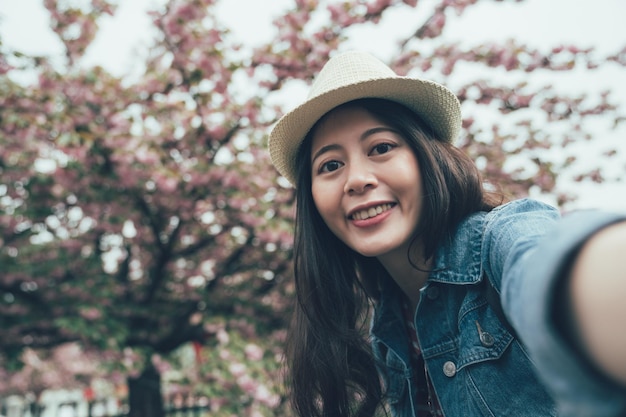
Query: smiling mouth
x=371 y=212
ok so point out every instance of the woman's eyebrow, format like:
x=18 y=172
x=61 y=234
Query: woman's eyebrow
x=324 y=149
x=378 y=129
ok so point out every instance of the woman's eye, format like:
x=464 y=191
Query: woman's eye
x=330 y=166
x=382 y=148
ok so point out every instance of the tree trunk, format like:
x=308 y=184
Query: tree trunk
x=144 y=394
x=35 y=409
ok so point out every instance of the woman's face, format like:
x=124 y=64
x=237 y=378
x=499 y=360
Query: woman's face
x=366 y=182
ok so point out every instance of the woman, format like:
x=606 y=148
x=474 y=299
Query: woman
x=391 y=215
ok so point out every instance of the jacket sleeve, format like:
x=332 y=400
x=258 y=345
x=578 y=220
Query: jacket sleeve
x=529 y=248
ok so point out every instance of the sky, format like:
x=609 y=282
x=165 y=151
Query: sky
x=123 y=39
x=598 y=23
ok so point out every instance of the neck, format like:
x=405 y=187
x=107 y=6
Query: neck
x=410 y=275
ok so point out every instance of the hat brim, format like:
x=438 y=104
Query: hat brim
x=433 y=103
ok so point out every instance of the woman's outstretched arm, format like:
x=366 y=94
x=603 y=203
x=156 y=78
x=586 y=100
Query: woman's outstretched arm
x=597 y=293
x=565 y=295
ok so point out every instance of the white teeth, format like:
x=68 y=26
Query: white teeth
x=371 y=212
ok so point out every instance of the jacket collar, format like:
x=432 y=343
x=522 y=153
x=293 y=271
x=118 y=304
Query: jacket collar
x=458 y=260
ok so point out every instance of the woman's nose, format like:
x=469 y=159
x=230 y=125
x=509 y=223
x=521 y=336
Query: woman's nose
x=360 y=178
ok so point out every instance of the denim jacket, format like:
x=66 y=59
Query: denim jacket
x=477 y=367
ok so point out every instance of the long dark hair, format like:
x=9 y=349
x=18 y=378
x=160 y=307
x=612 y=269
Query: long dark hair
x=331 y=370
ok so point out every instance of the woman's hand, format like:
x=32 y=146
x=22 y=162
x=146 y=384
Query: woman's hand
x=598 y=300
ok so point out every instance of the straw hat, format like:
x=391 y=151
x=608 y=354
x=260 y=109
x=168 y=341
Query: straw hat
x=350 y=76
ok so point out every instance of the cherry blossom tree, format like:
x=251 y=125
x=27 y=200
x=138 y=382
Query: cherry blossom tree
x=141 y=220
x=131 y=213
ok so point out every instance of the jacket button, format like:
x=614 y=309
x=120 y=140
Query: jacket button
x=449 y=369
x=486 y=339
x=432 y=292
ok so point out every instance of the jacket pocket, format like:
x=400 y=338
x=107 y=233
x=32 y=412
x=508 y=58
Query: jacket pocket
x=499 y=377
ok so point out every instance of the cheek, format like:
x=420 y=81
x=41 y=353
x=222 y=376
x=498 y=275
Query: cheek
x=324 y=202
x=412 y=174
x=318 y=194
